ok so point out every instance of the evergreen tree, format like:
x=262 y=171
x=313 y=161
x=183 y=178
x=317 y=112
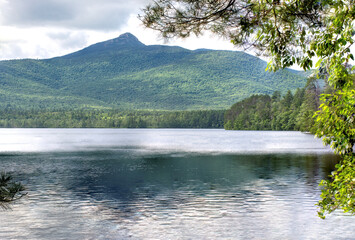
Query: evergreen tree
x=9 y=190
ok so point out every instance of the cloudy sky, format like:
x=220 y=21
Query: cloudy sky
x=49 y=28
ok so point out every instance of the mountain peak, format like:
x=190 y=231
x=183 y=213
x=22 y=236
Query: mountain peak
x=127 y=39
x=127 y=36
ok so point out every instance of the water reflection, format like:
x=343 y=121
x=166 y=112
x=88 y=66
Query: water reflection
x=128 y=178
x=120 y=195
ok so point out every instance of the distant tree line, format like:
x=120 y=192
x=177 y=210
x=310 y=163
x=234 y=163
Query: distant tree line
x=293 y=111
x=276 y=112
x=85 y=118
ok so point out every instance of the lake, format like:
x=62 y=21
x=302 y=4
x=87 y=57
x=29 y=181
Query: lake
x=167 y=184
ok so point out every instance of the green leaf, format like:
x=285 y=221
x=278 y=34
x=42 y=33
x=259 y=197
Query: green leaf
x=319 y=63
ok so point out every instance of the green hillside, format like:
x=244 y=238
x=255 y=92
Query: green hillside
x=123 y=73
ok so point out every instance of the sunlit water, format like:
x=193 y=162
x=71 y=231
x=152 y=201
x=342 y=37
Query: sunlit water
x=167 y=184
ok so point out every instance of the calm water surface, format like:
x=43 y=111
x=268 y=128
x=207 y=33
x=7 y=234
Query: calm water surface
x=167 y=184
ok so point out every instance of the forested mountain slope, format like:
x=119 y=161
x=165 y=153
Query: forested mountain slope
x=123 y=73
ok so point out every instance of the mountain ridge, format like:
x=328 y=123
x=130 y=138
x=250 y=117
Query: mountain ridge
x=127 y=74
x=126 y=40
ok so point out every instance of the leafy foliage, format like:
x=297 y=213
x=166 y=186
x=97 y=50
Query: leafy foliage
x=339 y=192
x=339 y=132
x=339 y=129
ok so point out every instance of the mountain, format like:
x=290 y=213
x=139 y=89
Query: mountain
x=124 y=73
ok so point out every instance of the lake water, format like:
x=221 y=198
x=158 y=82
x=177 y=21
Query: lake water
x=167 y=184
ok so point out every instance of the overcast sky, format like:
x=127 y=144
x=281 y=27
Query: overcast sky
x=49 y=28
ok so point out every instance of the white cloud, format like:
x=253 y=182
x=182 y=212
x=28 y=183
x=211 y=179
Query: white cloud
x=50 y=28
x=69 y=39
x=20 y=43
x=100 y=15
